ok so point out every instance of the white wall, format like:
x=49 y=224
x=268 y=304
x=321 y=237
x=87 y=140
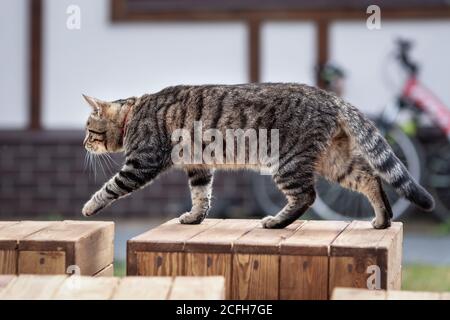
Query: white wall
x=372 y=76
x=119 y=60
x=13 y=64
x=288 y=52
x=113 y=61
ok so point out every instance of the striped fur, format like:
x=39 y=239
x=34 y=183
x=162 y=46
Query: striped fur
x=318 y=134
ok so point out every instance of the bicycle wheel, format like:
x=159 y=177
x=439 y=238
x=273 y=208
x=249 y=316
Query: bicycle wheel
x=337 y=203
x=438 y=178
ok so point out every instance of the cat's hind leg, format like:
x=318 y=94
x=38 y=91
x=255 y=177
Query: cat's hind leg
x=298 y=187
x=357 y=176
x=200 y=183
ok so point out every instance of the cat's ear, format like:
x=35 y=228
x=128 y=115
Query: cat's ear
x=97 y=105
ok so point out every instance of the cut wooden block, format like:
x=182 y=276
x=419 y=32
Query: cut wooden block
x=34 y=247
x=87 y=288
x=303 y=261
x=62 y=287
x=357 y=294
x=198 y=288
x=143 y=288
x=445 y=296
x=106 y=272
x=11 y=233
x=210 y=253
x=364 y=294
x=307 y=252
x=156 y=252
x=5 y=280
x=363 y=257
x=411 y=295
x=30 y=287
x=256 y=262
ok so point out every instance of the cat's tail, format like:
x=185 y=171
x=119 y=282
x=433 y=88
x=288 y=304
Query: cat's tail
x=380 y=156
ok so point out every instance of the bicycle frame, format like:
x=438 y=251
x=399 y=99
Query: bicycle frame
x=426 y=101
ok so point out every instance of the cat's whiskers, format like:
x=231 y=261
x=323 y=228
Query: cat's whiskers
x=104 y=164
x=111 y=159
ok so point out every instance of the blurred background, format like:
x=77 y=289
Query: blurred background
x=391 y=61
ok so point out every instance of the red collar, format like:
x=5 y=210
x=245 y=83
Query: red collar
x=124 y=127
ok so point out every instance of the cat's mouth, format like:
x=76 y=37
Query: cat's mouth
x=95 y=146
x=95 y=142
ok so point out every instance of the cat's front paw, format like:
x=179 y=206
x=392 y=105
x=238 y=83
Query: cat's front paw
x=91 y=208
x=191 y=218
x=270 y=222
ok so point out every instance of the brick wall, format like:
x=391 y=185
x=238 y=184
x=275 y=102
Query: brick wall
x=42 y=174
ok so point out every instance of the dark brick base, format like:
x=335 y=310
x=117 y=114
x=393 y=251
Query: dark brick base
x=42 y=174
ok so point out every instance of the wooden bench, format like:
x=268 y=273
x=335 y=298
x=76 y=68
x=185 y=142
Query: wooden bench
x=62 y=287
x=306 y=260
x=364 y=294
x=38 y=247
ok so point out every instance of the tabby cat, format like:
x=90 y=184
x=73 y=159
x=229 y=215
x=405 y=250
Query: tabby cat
x=319 y=133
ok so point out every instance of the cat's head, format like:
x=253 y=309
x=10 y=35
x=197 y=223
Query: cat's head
x=105 y=125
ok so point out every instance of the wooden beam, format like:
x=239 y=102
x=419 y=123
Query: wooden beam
x=35 y=64
x=131 y=10
x=254 y=35
x=322 y=43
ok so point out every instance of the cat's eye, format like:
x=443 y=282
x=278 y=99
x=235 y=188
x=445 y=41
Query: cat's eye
x=96 y=132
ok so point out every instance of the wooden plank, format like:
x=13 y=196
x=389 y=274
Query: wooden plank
x=198 y=288
x=264 y=241
x=445 y=296
x=255 y=276
x=4 y=224
x=106 y=272
x=411 y=295
x=11 y=234
x=209 y=252
x=394 y=242
x=357 y=250
x=256 y=262
x=73 y=237
x=168 y=237
x=32 y=287
x=87 y=288
x=221 y=236
x=304 y=277
x=360 y=236
x=5 y=280
x=42 y=262
x=313 y=238
x=210 y=264
x=306 y=252
x=160 y=263
x=143 y=288
x=358 y=294
x=8 y=261
x=95 y=251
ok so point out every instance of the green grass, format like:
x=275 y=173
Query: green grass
x=426 y=278
x=120 y=268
